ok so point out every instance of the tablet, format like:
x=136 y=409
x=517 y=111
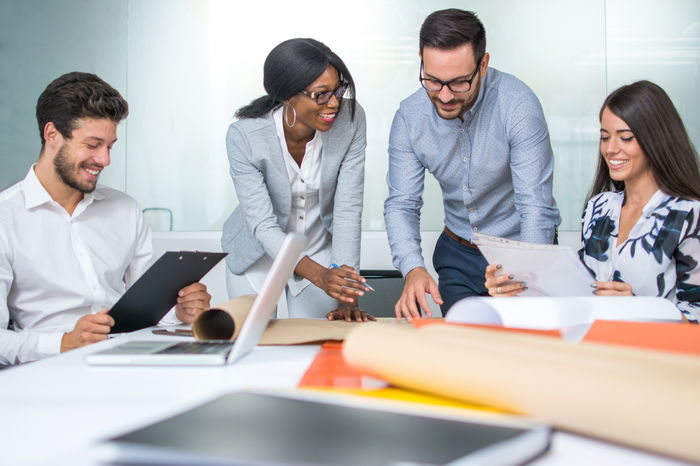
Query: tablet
x=146 y=302
x=303 y=429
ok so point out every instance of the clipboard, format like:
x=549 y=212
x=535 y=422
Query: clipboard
x=146 y=302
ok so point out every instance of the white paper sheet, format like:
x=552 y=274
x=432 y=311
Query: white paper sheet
x=547 y=269
x=571 y=315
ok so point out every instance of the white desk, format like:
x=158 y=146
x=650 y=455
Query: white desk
x=53 y=411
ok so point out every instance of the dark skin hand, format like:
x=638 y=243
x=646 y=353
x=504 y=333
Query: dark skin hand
x=349 y=313
x=342 y=283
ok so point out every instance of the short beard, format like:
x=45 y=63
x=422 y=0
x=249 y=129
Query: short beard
x=63 y=170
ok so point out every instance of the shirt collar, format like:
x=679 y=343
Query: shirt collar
x=35 y=194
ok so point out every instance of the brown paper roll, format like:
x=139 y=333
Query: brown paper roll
x=640 y=398
x=223 y=322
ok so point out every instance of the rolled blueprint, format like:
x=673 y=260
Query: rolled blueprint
x=641 y=398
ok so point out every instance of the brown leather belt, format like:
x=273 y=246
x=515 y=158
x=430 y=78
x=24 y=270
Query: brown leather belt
x=459 y=239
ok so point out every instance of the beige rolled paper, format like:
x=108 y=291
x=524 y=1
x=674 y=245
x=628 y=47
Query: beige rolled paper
x=224 y=322
x=640 y=398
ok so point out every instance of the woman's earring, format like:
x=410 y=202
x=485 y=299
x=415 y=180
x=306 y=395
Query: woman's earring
x=286 y=115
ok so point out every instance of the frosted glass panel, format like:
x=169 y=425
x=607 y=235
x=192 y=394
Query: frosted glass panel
x=39 y=41
x=192 y=67
x=662 y=45
x=186 y=65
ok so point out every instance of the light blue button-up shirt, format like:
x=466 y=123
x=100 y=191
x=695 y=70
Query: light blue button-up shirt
x=494 y=169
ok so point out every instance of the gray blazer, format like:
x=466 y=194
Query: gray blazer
x=256 y=227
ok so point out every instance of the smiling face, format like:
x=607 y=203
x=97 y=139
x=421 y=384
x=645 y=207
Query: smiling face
x=312 y=116
x=81 y=158
x=450 y=65
x=622 y=153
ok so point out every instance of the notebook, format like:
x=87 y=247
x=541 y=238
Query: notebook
x=159 y=353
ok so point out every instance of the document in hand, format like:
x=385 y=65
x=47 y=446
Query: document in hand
x=548 y=269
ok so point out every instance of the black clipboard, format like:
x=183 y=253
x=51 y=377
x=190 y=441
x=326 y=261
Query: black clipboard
x=146 y=302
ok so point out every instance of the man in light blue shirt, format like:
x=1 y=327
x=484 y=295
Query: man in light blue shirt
x=483 y=135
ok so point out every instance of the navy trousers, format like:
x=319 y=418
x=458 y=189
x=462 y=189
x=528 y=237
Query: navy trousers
x=460 y=271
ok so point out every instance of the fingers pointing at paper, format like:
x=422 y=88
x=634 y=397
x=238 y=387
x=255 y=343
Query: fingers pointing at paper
x=503 y=283
x=191 y=301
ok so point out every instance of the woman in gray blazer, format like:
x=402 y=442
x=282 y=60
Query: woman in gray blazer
x=297 y=163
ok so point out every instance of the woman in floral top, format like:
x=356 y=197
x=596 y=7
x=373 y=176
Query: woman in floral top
x=641 y=226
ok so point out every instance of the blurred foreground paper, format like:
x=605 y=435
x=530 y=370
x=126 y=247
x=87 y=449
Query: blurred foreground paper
x=641 y=398
x=548 y=269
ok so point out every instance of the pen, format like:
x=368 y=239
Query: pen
x=336 y=266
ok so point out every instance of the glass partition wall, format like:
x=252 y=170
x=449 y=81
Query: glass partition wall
x=185 y=66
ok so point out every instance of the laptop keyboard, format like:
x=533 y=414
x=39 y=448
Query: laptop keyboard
x=197 y=347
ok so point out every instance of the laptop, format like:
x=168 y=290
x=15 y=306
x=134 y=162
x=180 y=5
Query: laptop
x=163 y=353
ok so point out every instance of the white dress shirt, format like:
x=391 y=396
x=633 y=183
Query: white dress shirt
x=56 y=267
x=305 y=214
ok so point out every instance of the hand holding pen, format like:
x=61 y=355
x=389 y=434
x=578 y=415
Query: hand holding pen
x=362 y=281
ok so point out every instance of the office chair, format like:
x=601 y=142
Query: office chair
x=388 y=285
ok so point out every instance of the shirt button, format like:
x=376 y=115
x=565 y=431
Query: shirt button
x=474 y=228
x=302 y=180
x=301 y=217
x=302 y=197
x=461 y=130
x=465 y=187
x=471 y=209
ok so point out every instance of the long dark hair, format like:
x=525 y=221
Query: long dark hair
x=289 y=68
x=659 y=130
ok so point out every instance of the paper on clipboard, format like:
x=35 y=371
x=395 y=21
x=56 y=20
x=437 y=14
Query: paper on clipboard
x=548 y=269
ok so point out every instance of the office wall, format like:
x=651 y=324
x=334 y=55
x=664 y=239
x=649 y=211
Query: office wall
x=186 y=65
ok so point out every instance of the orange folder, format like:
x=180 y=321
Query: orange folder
x=662 y=336
x=328 y=369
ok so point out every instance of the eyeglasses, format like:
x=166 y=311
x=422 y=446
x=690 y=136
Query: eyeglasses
x=457 y=86
x=323 y=97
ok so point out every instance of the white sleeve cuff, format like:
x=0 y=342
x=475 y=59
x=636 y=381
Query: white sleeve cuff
x=48 y=344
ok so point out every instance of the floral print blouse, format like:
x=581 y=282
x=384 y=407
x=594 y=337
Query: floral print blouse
x=660 y=256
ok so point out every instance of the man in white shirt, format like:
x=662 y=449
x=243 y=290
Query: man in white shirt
x=69 y=248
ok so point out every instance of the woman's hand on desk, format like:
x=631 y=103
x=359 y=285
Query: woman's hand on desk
x=503 y=284
x=191 y=301
x=613 y=289
x=349 y=313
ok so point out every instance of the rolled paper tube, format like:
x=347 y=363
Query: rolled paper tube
x=223 y=322
x=641 y=398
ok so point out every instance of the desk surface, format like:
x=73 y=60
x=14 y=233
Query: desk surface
x=53 y=411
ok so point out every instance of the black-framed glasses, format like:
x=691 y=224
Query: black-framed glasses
x=323 y=97
x=457 y=86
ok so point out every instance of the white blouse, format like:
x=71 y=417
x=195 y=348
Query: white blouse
x=305 y=215
x=660 y=255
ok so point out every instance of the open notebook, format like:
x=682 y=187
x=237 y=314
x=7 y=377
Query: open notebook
x=215 y=352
